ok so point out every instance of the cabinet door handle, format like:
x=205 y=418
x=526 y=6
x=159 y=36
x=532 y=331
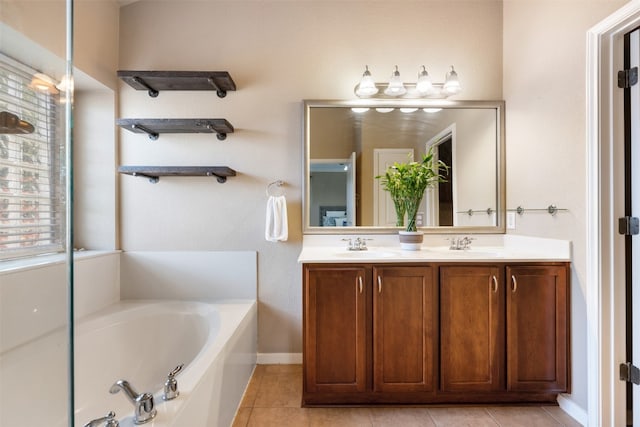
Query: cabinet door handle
x=379 y=284
x=495 y=283
x=514 y=283
x=360 y=282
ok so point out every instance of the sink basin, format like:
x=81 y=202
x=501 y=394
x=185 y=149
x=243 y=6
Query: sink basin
x=368 y=254
x=471 y=253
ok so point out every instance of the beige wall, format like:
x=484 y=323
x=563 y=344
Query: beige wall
x=282 y=52
x=279 y=53
x=95 y=32
x=544 y=88
x=529 y=52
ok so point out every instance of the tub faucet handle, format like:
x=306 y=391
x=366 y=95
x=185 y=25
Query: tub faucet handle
x=109 y=420
x=171 y=385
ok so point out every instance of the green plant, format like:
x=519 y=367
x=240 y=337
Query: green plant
x=391 y=182
x=407 y=182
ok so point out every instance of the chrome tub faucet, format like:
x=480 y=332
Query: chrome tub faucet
x=143 y=403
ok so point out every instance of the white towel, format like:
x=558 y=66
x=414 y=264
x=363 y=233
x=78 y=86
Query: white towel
x=277 y=228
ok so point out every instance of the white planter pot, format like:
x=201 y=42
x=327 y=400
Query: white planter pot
x=411 y=240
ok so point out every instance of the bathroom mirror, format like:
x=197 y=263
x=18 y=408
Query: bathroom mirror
x=349 y=143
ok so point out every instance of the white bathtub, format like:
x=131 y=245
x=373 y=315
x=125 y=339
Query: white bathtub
x=138 y=341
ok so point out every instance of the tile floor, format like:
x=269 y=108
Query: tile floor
x=274 y=392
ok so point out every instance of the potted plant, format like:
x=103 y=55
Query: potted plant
x=407 y=183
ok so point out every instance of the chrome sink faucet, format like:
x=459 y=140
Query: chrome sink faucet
x=357 y=244
x=143 y=403
x=460 y=243
x=108 y=420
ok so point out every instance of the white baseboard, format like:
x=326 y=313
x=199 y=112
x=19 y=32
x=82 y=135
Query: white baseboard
x=279 y=358
x=573 y=410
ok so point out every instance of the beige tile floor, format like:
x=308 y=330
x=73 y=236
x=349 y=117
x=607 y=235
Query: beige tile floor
x=274 y=393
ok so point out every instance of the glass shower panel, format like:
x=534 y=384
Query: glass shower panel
x=36 y=348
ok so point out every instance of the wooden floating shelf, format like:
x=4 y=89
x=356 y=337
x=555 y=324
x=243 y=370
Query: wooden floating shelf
x=155 y=81
x=154 y=127
x=153 y=173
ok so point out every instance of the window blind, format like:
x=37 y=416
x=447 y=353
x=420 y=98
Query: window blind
x=32 y=199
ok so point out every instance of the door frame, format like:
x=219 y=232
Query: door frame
x=605 y=189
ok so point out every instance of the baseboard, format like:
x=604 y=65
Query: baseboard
x=279 y=358
x=573 y=410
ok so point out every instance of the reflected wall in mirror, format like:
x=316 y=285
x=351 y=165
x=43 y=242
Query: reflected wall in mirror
x=349 y=143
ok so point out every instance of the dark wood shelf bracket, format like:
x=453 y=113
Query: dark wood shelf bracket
x=219 y=91
x=152 y=135
x=220 y=178
x=220 y=135
x=152 y=179
x=151 y=91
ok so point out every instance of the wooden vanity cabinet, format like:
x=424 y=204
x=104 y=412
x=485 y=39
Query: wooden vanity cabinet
x=435 y=333
x=537 y=328
x=335 y=328
x=405 y=319
x=472 y=328
x=369 y=333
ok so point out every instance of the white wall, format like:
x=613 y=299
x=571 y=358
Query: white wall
x=192 y=276
x=544 y=89
x=279 y=53
x=33 y=300
x=95 y=159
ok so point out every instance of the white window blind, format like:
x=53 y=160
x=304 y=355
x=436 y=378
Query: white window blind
x=32 y=217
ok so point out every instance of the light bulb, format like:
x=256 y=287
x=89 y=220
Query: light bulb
x=424 y=86
x=366 y=87
x=395 y=87
x=451 y=83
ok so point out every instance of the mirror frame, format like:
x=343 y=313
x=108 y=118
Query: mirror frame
x=501 y=211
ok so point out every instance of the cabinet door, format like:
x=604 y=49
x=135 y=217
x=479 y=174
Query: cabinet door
x=404 y=329
x=335 y=328
x=537 y=334
x=471 y=328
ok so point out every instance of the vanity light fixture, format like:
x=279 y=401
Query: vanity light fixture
x=451 y=83
x=396 y=88
x=359 y=109
x=366 y=87
x=384 y=110
x=424 y=86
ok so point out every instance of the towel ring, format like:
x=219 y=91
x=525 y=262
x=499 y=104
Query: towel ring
x=275 y=188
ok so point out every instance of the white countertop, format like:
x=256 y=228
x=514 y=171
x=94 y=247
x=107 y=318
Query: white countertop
x=386 y=249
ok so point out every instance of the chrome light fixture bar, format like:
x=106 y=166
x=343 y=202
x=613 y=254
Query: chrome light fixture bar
x=396 y=88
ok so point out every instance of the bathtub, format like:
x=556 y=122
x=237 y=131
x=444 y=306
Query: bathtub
x=141 y=342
